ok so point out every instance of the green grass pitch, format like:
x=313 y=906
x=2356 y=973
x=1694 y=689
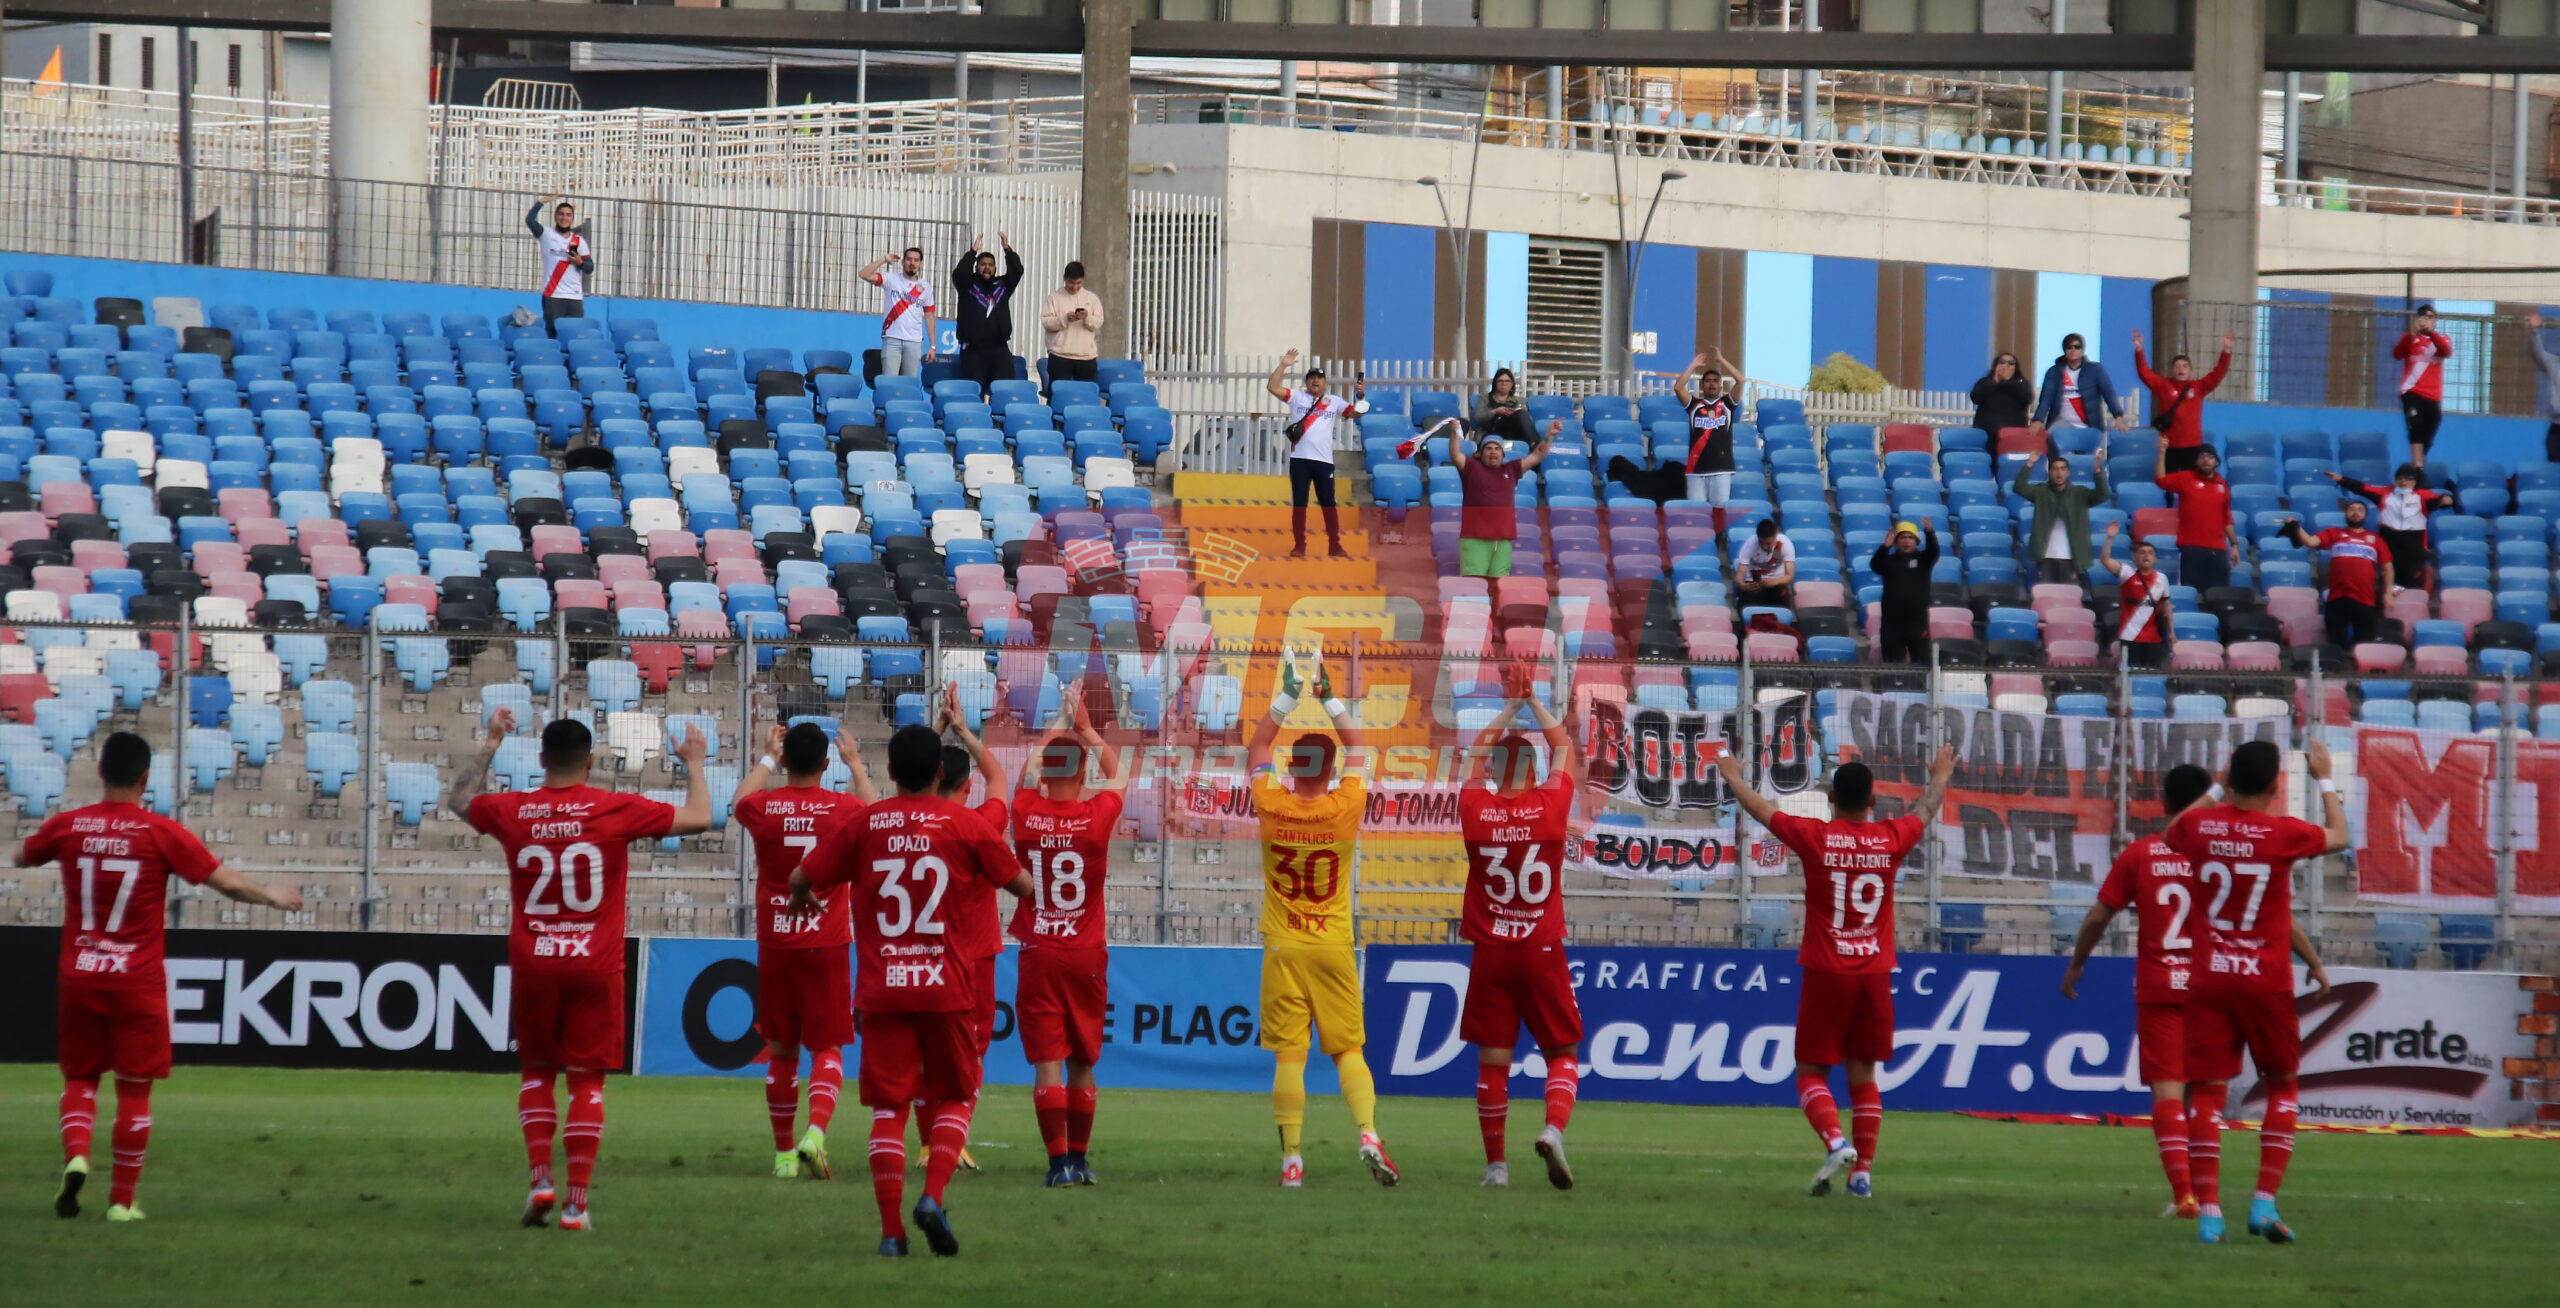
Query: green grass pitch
x=375 y=1188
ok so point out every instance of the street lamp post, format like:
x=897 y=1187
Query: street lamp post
x=1457 y=260
x=1635 y=265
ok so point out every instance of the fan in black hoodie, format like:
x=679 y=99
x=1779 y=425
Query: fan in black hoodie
x=985 y=325
x=1903 y=634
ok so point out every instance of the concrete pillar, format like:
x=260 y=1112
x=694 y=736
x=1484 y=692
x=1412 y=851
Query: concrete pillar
x=1106 y=166
x=379 y=55
x=2222 y=232
x=2053 y=92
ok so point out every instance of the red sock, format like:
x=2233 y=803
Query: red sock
x=1493 y=1106
x=1564 y=1086
x=826 y=1081
x=132 y=1137
x=1866 y=1121
x=2169 y=1130
x=2204 y=1141
x=79 y=1116
x=585 y=1133
x=782 y=1095
x=948 y=1135
x=1080 y=1119
x=1813 y=1091
x=2275 y=1137
x=540 y=1119
x=1049 y=1104
x=889 y=1168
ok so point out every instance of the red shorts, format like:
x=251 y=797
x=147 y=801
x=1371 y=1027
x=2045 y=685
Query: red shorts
x=120 y=1031
x=982 y=978
x=1844 y=1015
x=918 y=1058
x=569 y=1019
x=2160 y=1032
x=1511 y=984
x=1058 y=998
x=2222 y=1022
x=804 y=997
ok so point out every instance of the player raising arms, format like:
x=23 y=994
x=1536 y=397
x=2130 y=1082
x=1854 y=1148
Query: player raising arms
x=568 y=851
x=1062 y=833
x=1310 y=833
x=1845 y=1011
x=2159 y=884
x=976 y=924
x=1515 y=836
x=804 y=978
x=903 y=862
x=2243 y=993
x=113 y=1014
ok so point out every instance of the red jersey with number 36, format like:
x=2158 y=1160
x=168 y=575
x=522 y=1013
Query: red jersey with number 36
x=568 y=869
x=1515 y=852
x=2159 y=885
x=1848 y=887
x=904 y=863
x=1066 y=847
x=785 y=825
x=116 y=863
x=2244 y=892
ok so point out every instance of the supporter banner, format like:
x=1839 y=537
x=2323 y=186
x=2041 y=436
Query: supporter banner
x=1652 y=853
x=2422 y=810
x=2420 y=1049
x=1394 y=807
x=1664 y=759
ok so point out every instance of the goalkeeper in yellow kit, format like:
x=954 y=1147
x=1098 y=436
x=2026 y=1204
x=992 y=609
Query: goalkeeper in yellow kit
x=1310 y=830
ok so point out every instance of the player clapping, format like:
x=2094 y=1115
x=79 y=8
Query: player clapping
x=1062 y=833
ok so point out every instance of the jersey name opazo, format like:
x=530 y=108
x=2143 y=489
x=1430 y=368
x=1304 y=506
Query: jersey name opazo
x=902 y=863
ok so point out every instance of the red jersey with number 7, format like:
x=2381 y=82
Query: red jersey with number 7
x=116 y=863
x=903 y=864
x=785 y=825
x=1515 y=851
x=1066 y=846
x=568 y=868
x=1848 y=887
x=2158 y=883
x=2244 y=889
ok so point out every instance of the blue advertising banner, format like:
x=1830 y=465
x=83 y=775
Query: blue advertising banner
x=1717 y=1026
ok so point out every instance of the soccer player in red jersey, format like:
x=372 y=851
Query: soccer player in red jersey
x=804 y=965
x=1514 y=835
x=903 y=863
x=568 y=851
x=113 y=1014
x=1062 y=833
x=1845 y=1011
x=975 y=918
x=2159 y=884
x=2243 y=992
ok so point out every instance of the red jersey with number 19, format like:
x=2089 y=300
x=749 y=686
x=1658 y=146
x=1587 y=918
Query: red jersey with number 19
x=1848 y=888
x=568 y=865
x=2244 y=881
x=1066 y=845
x=903 y=863
x=785 y=825
x=1515 y=851
x=2158 y=884
x=116 y=863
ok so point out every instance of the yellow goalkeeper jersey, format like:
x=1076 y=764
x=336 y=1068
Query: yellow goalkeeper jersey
x=1307 y=846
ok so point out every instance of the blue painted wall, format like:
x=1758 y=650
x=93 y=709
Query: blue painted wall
x=1395 y=311
x=1957 y=350
x=1777 y=317
x=2067 y=303
x=1844 y=309
x=2124 y=307
x=1506 y=295
x=2290 y=336
x=1666 y=304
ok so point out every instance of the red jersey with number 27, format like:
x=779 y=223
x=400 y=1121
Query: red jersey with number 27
x=2159 y=884
x=116 y=863
x=1066 y=847
x=1848 y=887
x=903 y=864
x=785 y=825
x=1515 y=851
x=2244 y=889
x=568 y=870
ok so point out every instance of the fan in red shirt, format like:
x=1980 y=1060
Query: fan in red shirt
x=2143 y=600
x=113 y=1012
x=2243 y=981
x=2360 y=565
x=974 y=916
x=1844 y=1013
x=568 y=851
x=2179 y=399
x=1514 y=834
x=904 y=864
x=1062 y=833
x=2206 y=536
x=804 y=964
x=2159 y=884
x=2422 y=351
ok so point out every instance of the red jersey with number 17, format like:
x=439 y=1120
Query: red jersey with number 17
x=1515 y=852
x=116 y=863
x=785 y=825
x=904 y=863
x=2244 y=885
x=1066 y=846
x=568 y=868
x=1848 y=887
x=2158 y=884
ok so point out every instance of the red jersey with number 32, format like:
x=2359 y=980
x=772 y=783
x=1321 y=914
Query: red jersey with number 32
x=2159 y=885
x=568 y=868
x=1848 y=887
x=785 y=825
x=1515 y=851
x=2244 y=892
x=116 y=863
x=1066 y=847
x=904 y=863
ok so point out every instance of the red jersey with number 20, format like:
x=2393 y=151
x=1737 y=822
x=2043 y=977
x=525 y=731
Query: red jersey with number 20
x=1066 y=846
x=785 y=825
x=116 y=863
x=1848 y=888
x=2244 y=886
x=1515 y=851
x=2159 y=885
x=568 y=867
x=903 y=863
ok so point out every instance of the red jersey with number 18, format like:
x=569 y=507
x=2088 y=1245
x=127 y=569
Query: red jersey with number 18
x=2158 y=884
x=903 y=863
x=568 y=866
x=1848 y=888
x=2244 y=883
x=1066 y=846
x=785 y=825
x=1515 y=851
x=116 y=863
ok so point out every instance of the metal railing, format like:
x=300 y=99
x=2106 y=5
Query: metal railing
x=2337 y=353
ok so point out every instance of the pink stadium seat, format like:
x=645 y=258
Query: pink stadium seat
x=61 y=497
x=2335 y=708
x=313 y=534
x=61 y=579
x=581 y=593
x=2071 y=653
x=738 y=572
x=2381 y=658
x=1821 y=595
x=254 y=532
x=1529 y=643
x=238 y=502
x=242 y=586
x=2283 y=601
x=1773 y=647
x=2079 y=624
x=2016 y=683
x=1453 y=587
x=23 y=525
x=806 y=600
x=644 y=593
x=2440 y=661
x=1948 y=623
x=216 y=556
x=2050 y=595
x=2468 y=607
x=2196 y=656
x=659 y=665
x=417 y=590
x=555 y=538
x=673 y=545
x=90 y=555
x=1508 y=591
x=2016 y=441
x=2255 y=656
x=1712 y=646
x=1039 y=579
x=703 y=624
x=616 y=570
x=1908 y=438
x=2408 y=608
x=336 y=561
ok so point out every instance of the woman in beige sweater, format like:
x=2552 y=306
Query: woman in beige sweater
x=1072 y=317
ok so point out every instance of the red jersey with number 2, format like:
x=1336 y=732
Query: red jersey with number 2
x=903 y=864
x=1515 y=851
x=2244 y=889
x=116 y=863
x=1848 y=887
x=2159 y=885
x=568 y=869
x=785 y=825
x=1065 y=844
